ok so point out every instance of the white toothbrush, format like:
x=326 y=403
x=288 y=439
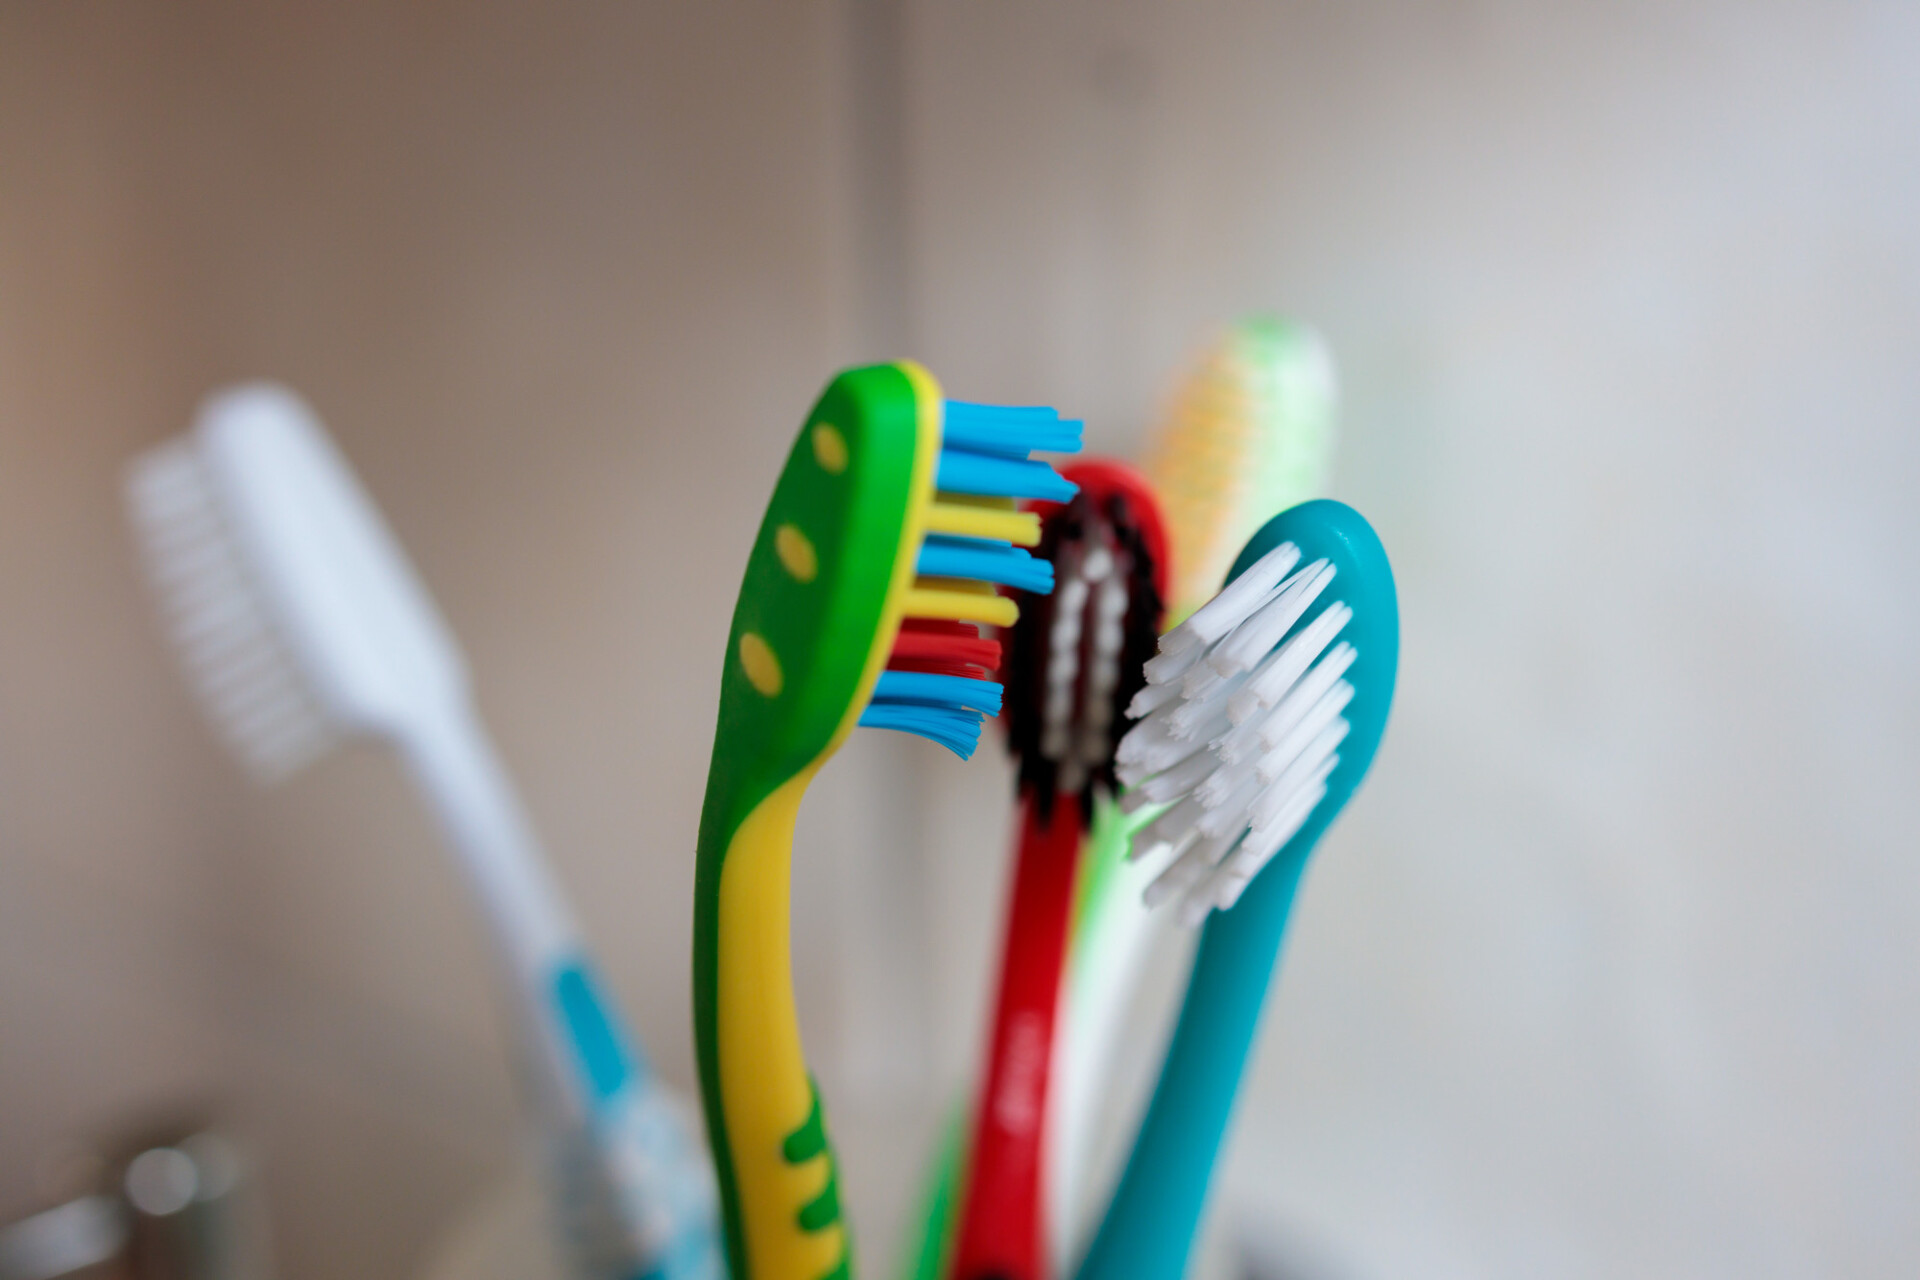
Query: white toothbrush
x=301 y=624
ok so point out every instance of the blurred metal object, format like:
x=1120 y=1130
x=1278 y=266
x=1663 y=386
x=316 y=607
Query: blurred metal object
x=194 y=1213
x=65 y=1240
x=169 y=1208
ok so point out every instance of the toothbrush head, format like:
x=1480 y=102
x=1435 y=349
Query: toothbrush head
x=1249 y=431
x=876 y=564
x=1075 y=657
x=296 y=614
x=1263 y=710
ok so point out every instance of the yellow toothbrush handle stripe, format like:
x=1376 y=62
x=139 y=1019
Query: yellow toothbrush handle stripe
x=791 y=1233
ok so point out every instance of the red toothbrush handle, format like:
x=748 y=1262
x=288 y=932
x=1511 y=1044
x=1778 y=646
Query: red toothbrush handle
x=1001 y=1214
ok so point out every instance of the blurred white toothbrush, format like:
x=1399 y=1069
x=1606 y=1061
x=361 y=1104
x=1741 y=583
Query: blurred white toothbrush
x=301 y=624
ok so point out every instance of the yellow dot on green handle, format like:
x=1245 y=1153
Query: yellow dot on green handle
x=762 y=668
x=829 y=448
x=796 y=553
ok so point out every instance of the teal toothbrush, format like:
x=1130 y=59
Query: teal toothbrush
x=1262 y=714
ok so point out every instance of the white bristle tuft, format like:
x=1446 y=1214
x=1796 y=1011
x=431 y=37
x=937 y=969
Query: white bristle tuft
x=1204 y=718
x=1323 y=716
x=1296 y=775
x=1255 y=638
x=1230 y=814
x=1170 y=785
x=1172 y=662
x=235 y=656
x=1278 y=673
x=1267 y=730
x=1150 y=699
x=1239 y=729
x=1242 y=596
x=1103 y=667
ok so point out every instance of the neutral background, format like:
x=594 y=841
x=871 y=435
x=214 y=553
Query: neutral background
x=1613 y=969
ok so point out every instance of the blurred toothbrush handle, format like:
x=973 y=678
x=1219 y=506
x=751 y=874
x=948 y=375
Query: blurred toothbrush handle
x=475 y=803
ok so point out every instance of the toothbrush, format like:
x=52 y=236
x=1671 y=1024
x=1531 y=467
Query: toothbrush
x=889 y=524
x=1074 y=664
x=1248 y=432
x=1262 y=713
x=301 y=624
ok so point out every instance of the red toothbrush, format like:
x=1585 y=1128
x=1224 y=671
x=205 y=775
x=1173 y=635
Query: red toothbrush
x=1073 y=664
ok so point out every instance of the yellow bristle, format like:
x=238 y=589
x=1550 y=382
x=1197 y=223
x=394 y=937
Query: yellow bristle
x=958 y=602
x=947 y=514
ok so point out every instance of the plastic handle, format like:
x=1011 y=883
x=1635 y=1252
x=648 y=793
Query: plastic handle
x=1149 y=1227
x=1002 y=1210
x=532 y=931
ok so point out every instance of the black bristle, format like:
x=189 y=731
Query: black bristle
x=1081 y=523
x=1145 y=609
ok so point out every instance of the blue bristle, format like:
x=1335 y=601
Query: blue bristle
x=1001 y=477
x=983 y=452
x=1008 y=431
x=953 y=728
x=928 y=688
x=947 y=709
x=1001 y=562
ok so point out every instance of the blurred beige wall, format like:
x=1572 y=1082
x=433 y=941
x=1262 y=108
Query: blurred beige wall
x=1611 y=970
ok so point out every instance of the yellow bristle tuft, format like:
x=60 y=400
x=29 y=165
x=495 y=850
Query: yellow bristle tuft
x=958 y=602
x=947 y=515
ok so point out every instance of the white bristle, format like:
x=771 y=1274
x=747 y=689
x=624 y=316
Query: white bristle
x=1204 y=718
x=1261 y=843
x=1098 y=565
x=1175 y=782
x=1191 y=867
x=1134 y=762
x=1061 y=677
x=1103 y=667
x=1084 y=644
x=1241 y=597
x=1230 y=815
x=1255 y=638
x=1173 y=661
x=1295 y=775
x=1172 y=829
x=1296 y=741
x=1225 y=778
x=1278 y=672
x=1238 y=731
x=1267 y=730
x=1201 y=680
x=1150 y=699
x=236 y=659
x=1178 y=641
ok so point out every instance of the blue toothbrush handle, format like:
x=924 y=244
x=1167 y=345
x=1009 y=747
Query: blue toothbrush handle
x=1148 y=1230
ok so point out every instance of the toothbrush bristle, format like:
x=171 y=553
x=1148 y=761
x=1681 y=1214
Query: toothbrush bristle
x=250 y=684
x=935 y=684
x=1076 y=656
x=1242 y=747
x=948 y=648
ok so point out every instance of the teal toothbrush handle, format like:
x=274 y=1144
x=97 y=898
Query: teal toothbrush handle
x=1148 y=1230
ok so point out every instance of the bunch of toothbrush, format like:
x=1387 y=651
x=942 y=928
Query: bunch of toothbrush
x=1194 y=662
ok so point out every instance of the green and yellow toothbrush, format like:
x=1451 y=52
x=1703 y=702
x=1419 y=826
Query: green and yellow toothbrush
x=887 y=533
